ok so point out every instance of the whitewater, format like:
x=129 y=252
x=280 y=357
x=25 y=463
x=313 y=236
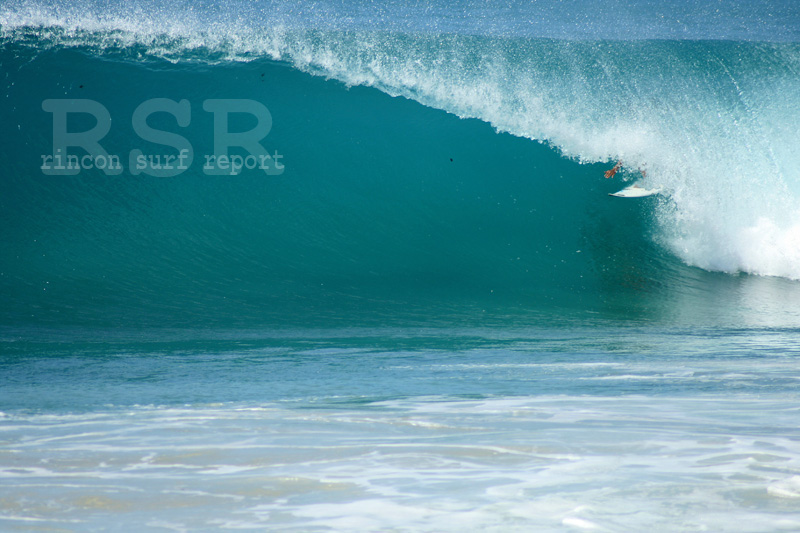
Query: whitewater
x=424 y=312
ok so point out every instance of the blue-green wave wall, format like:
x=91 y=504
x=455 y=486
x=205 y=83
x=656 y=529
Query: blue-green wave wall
x=388 y=208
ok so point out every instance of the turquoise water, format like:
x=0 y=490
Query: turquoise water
x=416 y=429
x=434 y=317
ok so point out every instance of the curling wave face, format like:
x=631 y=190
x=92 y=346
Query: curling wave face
x=714 y=122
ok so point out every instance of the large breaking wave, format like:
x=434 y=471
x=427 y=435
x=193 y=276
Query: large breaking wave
x=709 y=110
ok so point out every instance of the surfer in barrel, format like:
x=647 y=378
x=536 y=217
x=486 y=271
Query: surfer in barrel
x=610 y=173
x=631 y=191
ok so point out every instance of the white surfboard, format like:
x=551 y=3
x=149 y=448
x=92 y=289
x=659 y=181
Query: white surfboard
x=635 y=191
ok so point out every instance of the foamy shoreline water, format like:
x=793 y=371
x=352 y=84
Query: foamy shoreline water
x=549 y=429
x=549 y=463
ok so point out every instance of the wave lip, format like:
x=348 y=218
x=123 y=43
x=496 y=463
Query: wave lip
x=767 y=21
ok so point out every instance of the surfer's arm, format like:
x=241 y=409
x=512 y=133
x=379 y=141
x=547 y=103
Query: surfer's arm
x=610 y=173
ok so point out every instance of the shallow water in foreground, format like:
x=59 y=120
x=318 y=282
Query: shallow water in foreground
x=375 y=430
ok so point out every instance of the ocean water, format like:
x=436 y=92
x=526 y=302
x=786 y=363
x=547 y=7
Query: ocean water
x=423 y=312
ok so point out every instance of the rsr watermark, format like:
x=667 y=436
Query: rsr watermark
x=220 y=162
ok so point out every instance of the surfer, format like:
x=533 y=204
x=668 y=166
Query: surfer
x=610 y=173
